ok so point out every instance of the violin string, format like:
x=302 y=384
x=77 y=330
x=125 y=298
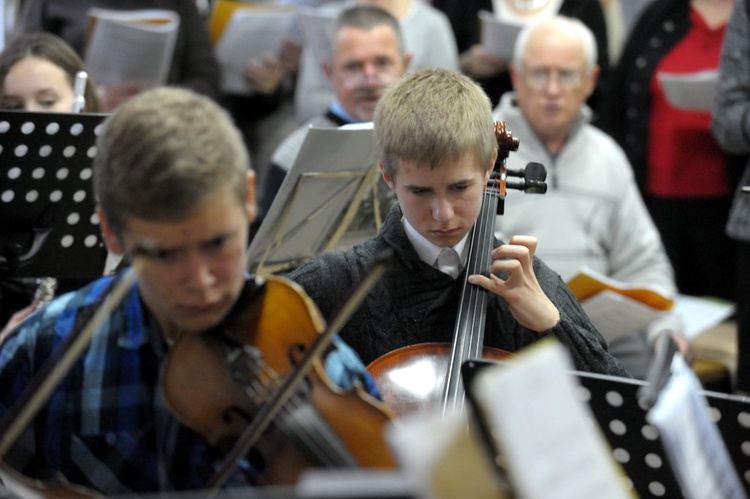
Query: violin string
x=311 y=432
x=260 y=390
x=319 y=437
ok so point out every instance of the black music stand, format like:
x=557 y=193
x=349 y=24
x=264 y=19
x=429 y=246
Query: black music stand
x=49 y=227
x=635 y=443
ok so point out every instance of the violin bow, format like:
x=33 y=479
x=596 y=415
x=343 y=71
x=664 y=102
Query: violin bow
x=271 y=408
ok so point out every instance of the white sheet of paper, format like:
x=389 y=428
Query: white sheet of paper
x=699 y=314
x=616 y=316
x=690 y=91
x=437 y=451
x=125 y=49
x=250 y=34
x=316 y=26
x=691 y=440
x=504 y=11
x=330 y=166
x=497 y=38
x=547 y=436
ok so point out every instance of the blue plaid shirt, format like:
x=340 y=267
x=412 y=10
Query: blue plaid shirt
x=107 y=426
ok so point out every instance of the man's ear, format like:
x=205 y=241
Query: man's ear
x=591 y=80
x=515 y=75
x=387 y=177
x=327 y=69
x=113 y=243
x=251 y=205
x=408 y=57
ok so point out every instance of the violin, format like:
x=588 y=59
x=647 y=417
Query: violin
x=220 y=383
x=437 y=366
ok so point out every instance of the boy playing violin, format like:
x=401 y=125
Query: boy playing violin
x=435 y=135
x=176 y=195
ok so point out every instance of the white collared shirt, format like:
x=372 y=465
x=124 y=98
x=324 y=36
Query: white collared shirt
x=427 y=251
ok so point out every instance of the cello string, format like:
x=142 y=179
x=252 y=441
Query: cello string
x=468 y=340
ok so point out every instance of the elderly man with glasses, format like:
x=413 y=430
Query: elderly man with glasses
x=592 y=214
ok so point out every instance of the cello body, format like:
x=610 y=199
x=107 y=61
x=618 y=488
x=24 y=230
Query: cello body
x=413 y=378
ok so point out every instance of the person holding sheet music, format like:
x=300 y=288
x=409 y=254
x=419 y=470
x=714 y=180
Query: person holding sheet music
x=684 y=177
x=38 y=72
x=194 y=65
x=592 y=214
x=427 y=36
x=491 y=71
x=730 y=128
x=176 y=195
x=437 y=146
x=368 y=55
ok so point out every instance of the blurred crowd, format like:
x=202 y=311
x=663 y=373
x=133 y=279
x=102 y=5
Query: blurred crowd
x=681 y=174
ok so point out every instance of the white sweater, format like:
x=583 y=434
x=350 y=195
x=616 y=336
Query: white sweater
x=592 y=213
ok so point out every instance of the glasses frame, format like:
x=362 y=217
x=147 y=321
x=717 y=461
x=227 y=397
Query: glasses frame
x=538 y=78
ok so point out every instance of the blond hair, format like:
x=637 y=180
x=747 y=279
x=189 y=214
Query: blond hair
x=434 y=116
x=162 y=153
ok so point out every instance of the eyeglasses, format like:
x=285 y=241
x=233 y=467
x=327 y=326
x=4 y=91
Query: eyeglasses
x=541 y=77
x=380 y=73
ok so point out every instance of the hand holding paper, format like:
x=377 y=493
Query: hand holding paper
x=498 y=38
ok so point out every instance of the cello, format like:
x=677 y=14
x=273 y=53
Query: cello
x=437 y=366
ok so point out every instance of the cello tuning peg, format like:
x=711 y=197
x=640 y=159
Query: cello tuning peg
x=535 y=171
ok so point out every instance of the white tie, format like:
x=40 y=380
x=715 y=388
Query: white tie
x=448 y=262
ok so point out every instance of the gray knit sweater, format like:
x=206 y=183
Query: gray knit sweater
x=730 y=120
x=415 y=303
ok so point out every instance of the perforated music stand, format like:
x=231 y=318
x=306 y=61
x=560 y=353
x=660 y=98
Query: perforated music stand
x=635 y=443
x=48 y=225
x=320 y=196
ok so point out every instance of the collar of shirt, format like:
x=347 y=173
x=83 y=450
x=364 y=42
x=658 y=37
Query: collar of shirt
x=429 y=252
x=338 y=109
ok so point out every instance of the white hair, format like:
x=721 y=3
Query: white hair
x=559 y=23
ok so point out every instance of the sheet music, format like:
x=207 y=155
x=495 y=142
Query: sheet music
x=545 y=434
x=250 y=33
x=505 y=11
x=316 y=26
x=690 y=91
x=131 y=46
x=330 y=167
x=691 y=440
x=443 y=457
x=497 y=38
x=616 y=316
x=699 y=314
